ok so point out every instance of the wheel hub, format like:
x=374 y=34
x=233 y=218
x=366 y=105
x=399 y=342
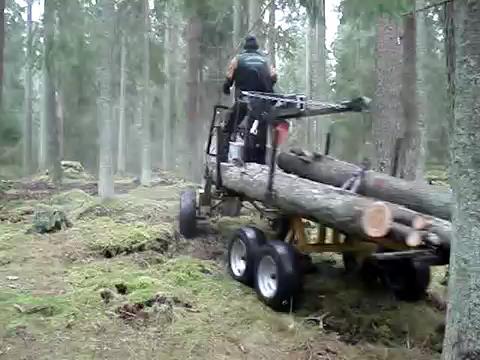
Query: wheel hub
x=267 y=277
x=238 y=258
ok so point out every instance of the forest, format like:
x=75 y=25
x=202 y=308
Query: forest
x=105 y=115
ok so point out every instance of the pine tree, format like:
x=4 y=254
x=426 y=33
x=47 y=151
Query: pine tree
x=463 y=314
x=104 y=71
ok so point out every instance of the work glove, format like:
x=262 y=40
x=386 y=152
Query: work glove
x=226 y=88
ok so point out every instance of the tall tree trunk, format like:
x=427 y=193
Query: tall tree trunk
x=320 y=89
x=51 y=128
x=122 y=135
x=146 y=177
x=43 y=132
x=167 y=98
x=194 y=32
x=105 y=182
x=411 y=144
x=387 y=107
x=255 y=23
x=27 y=129
x=272 y=33
x=308 y=126
x=463 y=314
x=170 y=123
x=237 y=23
x=2 y=45
x=450 y=54
x=422 y=97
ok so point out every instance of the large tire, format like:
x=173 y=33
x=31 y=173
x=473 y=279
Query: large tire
x=278 y=276
x=243 y=250
x=188 y=214
x=407 y=279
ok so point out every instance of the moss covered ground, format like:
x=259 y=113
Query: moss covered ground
x=121 y=283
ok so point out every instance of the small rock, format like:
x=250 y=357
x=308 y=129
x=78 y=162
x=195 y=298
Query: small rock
x=12 y=278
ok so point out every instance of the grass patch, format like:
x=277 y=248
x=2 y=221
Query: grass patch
x=41 y=312
x=103 y=235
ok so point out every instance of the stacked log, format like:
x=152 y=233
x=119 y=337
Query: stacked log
x=350 y=213
x=420 y=211
x=426 y=199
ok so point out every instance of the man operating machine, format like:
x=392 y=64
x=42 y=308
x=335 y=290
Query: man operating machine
x=248 y=71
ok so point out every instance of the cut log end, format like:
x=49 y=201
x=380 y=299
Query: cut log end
x=414 y=239
x=421 y=223
x=377 y=220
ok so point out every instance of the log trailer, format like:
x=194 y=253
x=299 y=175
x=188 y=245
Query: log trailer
x=314 y=211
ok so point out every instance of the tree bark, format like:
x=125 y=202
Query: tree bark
x=450 y=55
x=27 y=129
x=410 y=157
x=146 y=177
x=387 y=109
x=122 y=135
x=339 y=209
x=463 y=314
x=105 y=182
x=2 y=45
x=420 y=197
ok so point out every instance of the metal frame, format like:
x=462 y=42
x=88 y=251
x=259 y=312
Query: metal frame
x=327 y=239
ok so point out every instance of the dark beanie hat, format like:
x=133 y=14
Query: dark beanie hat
x=251 y=43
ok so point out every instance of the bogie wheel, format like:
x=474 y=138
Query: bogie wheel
x=188 y=214
x=278 y=276
x=407 y=279
x=242 y=253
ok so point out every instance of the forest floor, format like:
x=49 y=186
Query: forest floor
x=121 y=283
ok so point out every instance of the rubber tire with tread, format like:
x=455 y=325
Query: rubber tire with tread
x=253 y=239
x=188 y=214
x=407 y=279
x=289 y=279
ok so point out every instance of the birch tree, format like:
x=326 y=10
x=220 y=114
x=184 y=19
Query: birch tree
x=146 y=176
x=104 y=71
x=463 y=314
x=27 y=129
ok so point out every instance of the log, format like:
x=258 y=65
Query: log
x=405 y=235
x=424 y=198
x=335 y=208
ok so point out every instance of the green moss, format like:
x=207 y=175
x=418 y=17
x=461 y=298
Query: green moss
x=109 y=238
x=36 y=311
